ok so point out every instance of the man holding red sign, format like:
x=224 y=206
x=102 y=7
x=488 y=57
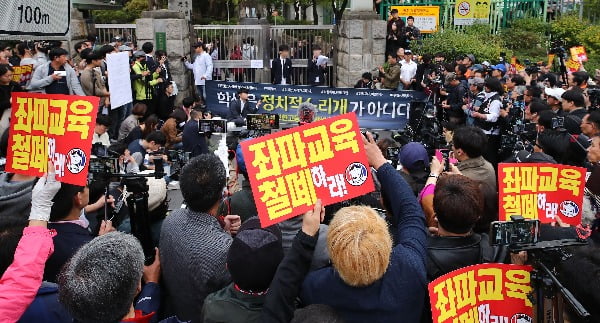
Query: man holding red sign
x=290 y=169
x=58 y=128
x=370 y=281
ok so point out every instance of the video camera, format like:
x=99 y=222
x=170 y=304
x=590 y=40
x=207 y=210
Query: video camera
x=519 y=137
x=518 y=231
x=46 y=45
x=262 y=122
x=531 y=67
x=557 y=47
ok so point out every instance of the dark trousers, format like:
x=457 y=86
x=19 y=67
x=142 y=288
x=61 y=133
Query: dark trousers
x=491 y=150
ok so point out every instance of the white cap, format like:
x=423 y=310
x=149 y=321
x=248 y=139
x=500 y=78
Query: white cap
x=555 y=92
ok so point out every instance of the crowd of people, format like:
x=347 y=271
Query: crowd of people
x=64 y=257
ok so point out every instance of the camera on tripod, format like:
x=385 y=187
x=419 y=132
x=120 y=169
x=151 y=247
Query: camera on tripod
x=557 y=47
x=518 y=231
x=531 y=67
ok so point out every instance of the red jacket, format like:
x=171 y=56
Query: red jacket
x=23 y=278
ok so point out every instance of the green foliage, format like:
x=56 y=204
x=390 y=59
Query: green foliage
x=590 y=38
x=477 y=41
x=129 y=13
x=567 y=28
x=526 y=36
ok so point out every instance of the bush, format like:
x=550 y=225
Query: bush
x=452 y=43
x=526 y=37
x=128 y=14
x=567 y=28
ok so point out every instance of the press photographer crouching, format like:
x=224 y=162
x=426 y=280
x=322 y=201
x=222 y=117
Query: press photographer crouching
x=142 y=150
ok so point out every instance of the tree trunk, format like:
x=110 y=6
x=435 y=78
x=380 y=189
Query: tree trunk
x=304 y=8
x=315 y=13
x=338 y=12
x=297 y=10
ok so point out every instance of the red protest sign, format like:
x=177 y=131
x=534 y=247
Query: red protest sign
x=55 y=127
x=291 y=169
x=541 y=191
x=22 y=74
x=578 y=53
x=482 y=293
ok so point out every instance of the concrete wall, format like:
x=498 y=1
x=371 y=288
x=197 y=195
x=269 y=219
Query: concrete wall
x=361 y=46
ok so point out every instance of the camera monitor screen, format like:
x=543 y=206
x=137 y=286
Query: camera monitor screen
x=262 y=121
x=214 y=126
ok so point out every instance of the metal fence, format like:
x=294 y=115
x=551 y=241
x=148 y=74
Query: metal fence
x=502 y=12
x=105 y=32
x=243 y=53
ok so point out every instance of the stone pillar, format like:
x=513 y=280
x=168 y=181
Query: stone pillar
x=361 y=45
x=177 y=30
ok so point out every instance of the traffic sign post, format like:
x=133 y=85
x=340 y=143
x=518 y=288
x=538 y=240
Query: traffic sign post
x=35 y=17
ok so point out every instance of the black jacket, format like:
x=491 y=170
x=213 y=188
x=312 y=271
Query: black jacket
x=285 y=286
x=446 y=254
x=194 y=142
x=277 y=72
x=316 y=73
x=237 y=115
x=455 y=100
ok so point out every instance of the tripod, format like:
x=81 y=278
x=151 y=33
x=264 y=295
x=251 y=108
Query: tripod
x=550 y=294
x=137 y=203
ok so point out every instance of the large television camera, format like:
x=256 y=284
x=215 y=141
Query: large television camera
x=520 y=136
x=523 y=235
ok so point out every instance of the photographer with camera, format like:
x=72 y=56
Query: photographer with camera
x=410 y=32
x=173 y=129
x=101 y=131
x=550 y=140
x=486 y=118
x=457 y=92
x=390 y=77
x=474 y=99
x=554 y=100
x=151 y=145
x=194 y=141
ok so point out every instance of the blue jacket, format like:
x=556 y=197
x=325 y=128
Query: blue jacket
x=399 y=295
x=45 y=307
